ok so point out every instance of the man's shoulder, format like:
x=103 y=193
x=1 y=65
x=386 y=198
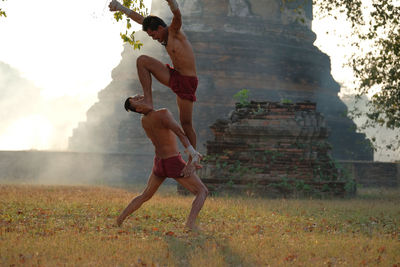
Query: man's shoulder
x=162 y=117
x=163 y=112
x=176 y=34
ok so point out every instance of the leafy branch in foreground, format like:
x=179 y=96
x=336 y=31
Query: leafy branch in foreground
x=129 y=35
x=2 y=12
x=376 y=65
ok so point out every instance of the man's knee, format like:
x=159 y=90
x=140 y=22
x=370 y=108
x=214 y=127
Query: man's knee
x=203 y=191
x=142 y=60
x=146 y=196
x=187 y=125
x=206 y=192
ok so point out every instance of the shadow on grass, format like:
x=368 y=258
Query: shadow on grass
x=182 y=248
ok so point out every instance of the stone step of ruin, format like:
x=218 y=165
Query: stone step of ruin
x=258 y=133
x=270 y=105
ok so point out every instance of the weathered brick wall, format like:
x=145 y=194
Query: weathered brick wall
x=271 y=147
x=372 y=174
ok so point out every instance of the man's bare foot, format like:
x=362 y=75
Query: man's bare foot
x=148 y=103
x=192 y=228
x=119 y=221
x=142 y=100
x=147 y=100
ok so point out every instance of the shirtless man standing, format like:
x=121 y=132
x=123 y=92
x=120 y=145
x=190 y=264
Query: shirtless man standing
x=162 y=129
x=182 y=78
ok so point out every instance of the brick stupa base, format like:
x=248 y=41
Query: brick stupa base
x=271 y=149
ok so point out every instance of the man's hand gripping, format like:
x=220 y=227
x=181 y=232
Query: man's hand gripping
x=173 y=5
x=114 y=5
x=193 y=163
x=117 y=6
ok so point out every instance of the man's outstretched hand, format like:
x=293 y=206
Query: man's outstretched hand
x=192 y=166
x=172 y=4
x=193 y=162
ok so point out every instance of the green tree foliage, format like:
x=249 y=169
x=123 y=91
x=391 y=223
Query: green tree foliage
x=129 y=35
x=2 y=12
x=377 y=70
x=242 y=97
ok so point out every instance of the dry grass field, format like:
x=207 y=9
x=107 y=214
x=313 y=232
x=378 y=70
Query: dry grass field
x=74 y=226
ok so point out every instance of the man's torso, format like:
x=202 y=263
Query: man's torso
x=181 y=53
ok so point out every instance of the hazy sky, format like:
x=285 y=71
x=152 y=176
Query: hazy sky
x=65 y=54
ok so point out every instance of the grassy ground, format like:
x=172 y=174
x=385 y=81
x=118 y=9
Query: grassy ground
x=64 y=225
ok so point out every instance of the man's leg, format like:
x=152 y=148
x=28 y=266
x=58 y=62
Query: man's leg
x=185 y=116
x=196 y=186
x=153 y=184
x=146 y=66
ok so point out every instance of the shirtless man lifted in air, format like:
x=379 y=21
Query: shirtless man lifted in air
x=162 y=129
x=182 y=77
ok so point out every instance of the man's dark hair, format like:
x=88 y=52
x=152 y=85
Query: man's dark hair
x=152 y=23
x=128 y=106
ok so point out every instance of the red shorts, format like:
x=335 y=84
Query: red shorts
x=170 y=167
x=183 y=86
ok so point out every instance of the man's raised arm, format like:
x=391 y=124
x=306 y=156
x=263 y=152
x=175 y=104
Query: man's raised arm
x=176 y=23
x=116 y=6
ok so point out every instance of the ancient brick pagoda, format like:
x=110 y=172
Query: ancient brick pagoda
x=271 y=148
x=258 y=45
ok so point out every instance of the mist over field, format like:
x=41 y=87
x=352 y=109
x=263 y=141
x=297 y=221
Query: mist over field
x=47 y=87
x=383 y=135
x=29 y=119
